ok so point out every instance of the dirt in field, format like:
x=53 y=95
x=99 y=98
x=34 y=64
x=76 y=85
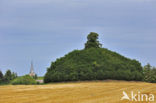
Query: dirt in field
x=81 y=92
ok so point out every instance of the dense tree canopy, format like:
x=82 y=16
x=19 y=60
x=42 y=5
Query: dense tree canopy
x=93 y=63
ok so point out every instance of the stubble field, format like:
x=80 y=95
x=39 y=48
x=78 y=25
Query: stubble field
x=79 y=92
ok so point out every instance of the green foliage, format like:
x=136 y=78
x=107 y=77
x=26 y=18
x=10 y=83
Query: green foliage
x=92 y=41
x=149 y=73
x=8 y=76
x=1 y=77
x=5 y=79
x=40 y=78
x=26 y=80
x=13 y=76
x=35 y=77
x=93 y=64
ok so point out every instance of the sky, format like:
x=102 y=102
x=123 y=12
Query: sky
x=44 y=30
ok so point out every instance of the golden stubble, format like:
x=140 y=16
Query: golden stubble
x=79 y=92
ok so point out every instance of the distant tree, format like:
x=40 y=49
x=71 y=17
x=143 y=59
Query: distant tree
x=13 y=75
x=147 y=72
x=153 y=75
x=8 y=76
x=1 y=76
x=92 y=41
x=35 y=77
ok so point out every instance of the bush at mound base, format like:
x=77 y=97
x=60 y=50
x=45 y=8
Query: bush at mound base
x=26 y=80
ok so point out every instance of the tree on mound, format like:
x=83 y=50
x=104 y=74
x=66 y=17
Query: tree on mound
x=93 y=63
x=93 y=41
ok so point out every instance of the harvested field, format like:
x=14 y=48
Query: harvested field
x=79 y=92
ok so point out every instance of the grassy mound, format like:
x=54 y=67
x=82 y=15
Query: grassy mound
x=93 y=64
x=26 y=80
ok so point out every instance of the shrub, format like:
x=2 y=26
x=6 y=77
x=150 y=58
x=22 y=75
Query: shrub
x=26 y=80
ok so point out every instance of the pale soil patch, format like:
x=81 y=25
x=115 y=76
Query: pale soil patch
x=81 y=92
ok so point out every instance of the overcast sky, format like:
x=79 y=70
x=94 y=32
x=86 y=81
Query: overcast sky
x=43 y=30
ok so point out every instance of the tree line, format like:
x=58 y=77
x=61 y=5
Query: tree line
x=7 y=77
